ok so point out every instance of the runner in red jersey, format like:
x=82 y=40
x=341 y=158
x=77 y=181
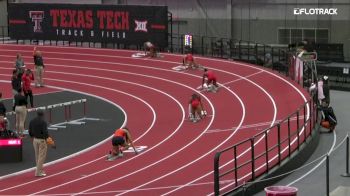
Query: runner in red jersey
x=189 y=61
x=196 y=109
x=211 y=79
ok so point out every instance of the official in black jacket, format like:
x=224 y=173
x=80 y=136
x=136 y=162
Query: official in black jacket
x=38 y=132
x=16 y=83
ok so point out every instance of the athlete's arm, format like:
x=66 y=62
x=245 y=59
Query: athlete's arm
x=204 y=76
x=129 y=140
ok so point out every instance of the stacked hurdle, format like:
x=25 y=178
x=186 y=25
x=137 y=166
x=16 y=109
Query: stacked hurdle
x=67 y=114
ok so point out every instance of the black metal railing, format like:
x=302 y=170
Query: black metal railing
x=259 y=154
x=275 y=57
x=326 y=157
x=249 y=51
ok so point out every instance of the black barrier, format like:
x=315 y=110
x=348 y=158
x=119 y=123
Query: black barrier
x=89 y=23
x=284 y=146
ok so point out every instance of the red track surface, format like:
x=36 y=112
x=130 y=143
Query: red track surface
x=179 y=152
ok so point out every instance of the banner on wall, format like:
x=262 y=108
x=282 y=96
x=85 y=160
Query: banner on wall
x=89 y=23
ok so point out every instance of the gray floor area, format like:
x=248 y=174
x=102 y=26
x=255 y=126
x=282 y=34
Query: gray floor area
x=75 y=137
x=314 y=184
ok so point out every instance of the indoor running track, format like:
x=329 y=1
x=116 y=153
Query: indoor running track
x=179 y=157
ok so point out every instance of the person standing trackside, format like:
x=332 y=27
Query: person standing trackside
x=326 y=90
x=320 y=94
x=38 y=132
x=39 y=68
x=26 y=84
x=16 y=83
x=21 y=112
x=19 y=64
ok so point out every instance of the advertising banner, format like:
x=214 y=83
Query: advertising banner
x=125 y=24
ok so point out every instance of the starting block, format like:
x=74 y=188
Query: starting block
x=138 y=149
x=201 y=67
x=180 y=68
x=138 y=55
x=129 y=150
x=210 y=88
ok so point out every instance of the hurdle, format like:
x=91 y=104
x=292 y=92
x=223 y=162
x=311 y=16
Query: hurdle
x=67 y=114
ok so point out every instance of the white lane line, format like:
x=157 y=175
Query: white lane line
x=144 y=189
x=246 y=65
x=119 y=71
x=106 y=169
x=237 y=63
x=248 y=149
x=268 y=72
x=232 y=81
x=190 y=74
x=77 y=153
x=253 y=125
x=177 y=72
x=239 y=79
x=65 y=171
x=197 y=159
x=287 y=82
x=231 y=74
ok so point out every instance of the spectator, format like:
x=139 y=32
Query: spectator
x=4 y=126
x=3 y=111
x=26 y=86
x=326 y=89
x=320 y=94
x=21 y=112
x=329 y=120
x=308 y=46
x=268 y=60
x=16 y=83
x=2 y=107
x=38 y=68
x=38 y=132
x=19 y=64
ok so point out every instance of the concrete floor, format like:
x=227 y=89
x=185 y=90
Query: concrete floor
x=311 y=180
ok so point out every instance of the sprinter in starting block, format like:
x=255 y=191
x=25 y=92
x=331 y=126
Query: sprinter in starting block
x=209 y=81
x=121 y=140
x=189 y=62
x=195 y=108
x=150 y=49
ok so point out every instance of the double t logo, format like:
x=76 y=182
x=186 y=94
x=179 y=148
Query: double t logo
x=37 y=17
